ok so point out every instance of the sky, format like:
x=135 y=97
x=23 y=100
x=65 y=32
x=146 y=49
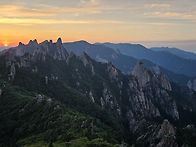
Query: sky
x=151 y=22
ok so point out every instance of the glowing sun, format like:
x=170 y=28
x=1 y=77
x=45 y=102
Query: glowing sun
x=5 y=44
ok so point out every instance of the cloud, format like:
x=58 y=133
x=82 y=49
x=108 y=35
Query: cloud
x=89 y=2
x=17 y=11
x=31 y=21
x=173 y=10
x=44 y=10
x=157 y=6
x=172 y=15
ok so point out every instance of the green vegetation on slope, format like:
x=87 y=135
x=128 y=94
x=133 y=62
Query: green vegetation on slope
x=30 y=120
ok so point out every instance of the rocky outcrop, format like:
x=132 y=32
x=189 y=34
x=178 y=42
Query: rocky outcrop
x=142 y=74
x=192 y=84
x=91 y=96
x=113 y=72
x=164 y=82
x=148 y=94
x=87 y=61
x=1 y=91
x=155 y=134
x=109 y=101
x=46 y=80
x=12 y=72
x=140 y=105
x=148 y=97
x=145 y=76
x=166 y=135
x=61 y=54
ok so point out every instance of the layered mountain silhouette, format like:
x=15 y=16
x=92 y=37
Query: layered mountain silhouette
x=73 y=94
x=177 y=52
x=167 y=60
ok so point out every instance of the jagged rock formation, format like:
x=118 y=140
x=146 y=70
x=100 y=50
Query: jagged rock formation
x=167 y=135
x=145 y=75
x=151 y=90
x=157 y=135
x=35 y=50
x=141 y=73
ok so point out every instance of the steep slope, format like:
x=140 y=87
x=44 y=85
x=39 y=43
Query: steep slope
x=177 y=52
x=131 y=107
x=166 y=60
x=30 y=119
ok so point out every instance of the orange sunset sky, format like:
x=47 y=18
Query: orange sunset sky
x=98 y=21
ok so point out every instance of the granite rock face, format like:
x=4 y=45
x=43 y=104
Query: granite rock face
x=157 y=135
x=145 y=75
x=149 y=99
x=113 y=73
x=150 y=91
x=167 y=135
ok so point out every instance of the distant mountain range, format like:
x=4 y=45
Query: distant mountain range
x=164 y=59
x=177 y=52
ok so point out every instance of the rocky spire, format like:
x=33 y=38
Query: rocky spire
x=141 y=73
x=20 y=44
x=33 y=42
x=59 y=41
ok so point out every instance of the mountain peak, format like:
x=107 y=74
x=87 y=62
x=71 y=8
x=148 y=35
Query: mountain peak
x=82 y=42
x=59 y=41
x=33 y=42
x=20 y=44
x=55 y=50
